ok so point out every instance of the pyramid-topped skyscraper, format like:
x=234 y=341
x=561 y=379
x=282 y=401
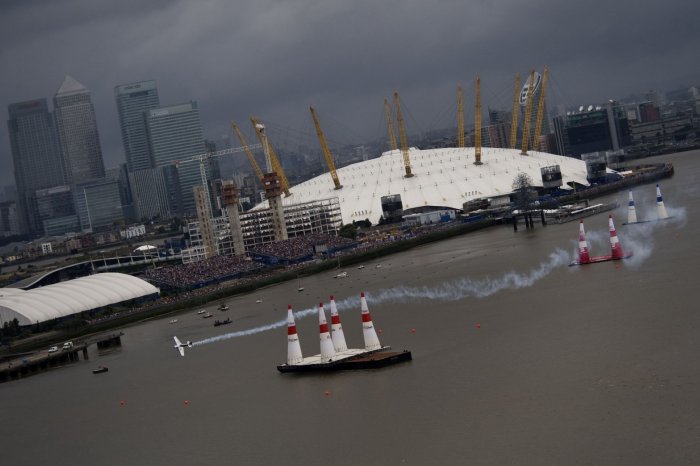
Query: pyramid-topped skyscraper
x=77 y=131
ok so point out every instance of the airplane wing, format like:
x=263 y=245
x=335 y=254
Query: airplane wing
x=182 y=351
x=177 y=341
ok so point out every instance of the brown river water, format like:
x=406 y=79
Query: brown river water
x=517 y=359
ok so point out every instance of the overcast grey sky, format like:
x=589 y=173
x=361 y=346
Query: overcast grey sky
x=275 y=58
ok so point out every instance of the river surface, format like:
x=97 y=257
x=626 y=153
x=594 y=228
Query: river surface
x=517 y=359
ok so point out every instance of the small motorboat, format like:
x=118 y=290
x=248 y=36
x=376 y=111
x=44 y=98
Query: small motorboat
x=223 y=307
x=207 y=315
x=222 y=322
x=100 y=370
x=300 y=289
x=174 y=321
x=361 y=267
x=200 y=312
x=258 y=301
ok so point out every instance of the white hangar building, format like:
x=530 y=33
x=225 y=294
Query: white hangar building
x=70 y=297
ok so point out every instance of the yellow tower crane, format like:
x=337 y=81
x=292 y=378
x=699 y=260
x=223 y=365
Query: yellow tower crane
x=402 y=133
x=514 y=116
x=326 y=152
x=460 y=118
x=390 y=125
x=274 y=160
x=528 y=111
x=540 y=111
x=477 y=124
x=248 y=152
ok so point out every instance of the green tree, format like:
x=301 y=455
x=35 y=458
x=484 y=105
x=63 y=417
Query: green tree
x=348 y=231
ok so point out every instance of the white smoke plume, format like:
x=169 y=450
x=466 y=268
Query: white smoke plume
x=448 y=291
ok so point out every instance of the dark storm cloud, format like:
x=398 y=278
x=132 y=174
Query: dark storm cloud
x=274 y=58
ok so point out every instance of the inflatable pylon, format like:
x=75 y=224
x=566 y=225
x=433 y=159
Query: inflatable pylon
x=337 y=334
x=294 y=355
x=614 y=241
x=583 y=256
x=327 y=351
x=631 y=211
x=660 y=208
x=371 y=340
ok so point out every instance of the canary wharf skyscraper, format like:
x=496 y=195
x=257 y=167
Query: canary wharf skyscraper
x=133 y=101
x=36 y=155
x=77 y=132
x=175 y=135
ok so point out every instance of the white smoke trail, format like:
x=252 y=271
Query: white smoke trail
x=639 y=238
x=449 y=291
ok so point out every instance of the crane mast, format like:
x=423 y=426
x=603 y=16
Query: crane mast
x=274 y=161
x=528 y=111
x=514 y=116
x=477 y=124
x=402 y=133
x=540 y=110
x=390 y=125
x=248 y=152
x=201 y=158
x=460 y=118
x=326 y=151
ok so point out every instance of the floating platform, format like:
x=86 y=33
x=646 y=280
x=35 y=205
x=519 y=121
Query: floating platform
x=595 y=260
x=359 y=359
x=648 y=221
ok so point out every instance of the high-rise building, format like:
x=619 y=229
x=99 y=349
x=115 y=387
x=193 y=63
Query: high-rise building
x=133 y=101
x=9 y=220
x=594 y=129
x=77 y=132
x=55 y=210
x=150 y=193
x=175 y=135
x=37 y=157
x=98 y=204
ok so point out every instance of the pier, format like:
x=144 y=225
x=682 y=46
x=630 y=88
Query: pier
x=18 y=366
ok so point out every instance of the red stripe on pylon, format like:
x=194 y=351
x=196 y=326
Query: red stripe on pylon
x=366 y=317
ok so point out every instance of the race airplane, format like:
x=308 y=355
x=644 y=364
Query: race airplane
x=181 y=346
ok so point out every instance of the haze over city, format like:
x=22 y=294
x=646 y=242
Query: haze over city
x=274 y=59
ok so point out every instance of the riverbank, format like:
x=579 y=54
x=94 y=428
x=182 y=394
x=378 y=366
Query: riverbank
x=642 y=174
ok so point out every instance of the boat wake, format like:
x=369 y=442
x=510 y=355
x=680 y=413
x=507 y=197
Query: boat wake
x=453 y=290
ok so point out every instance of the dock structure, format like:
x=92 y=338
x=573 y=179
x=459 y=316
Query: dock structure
x=26 y=364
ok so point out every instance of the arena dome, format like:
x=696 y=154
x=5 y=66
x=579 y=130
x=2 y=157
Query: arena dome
x=70 y=297
x=443 y=178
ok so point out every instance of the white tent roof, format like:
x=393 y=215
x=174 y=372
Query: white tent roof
x=70 y=297
x=442 y=178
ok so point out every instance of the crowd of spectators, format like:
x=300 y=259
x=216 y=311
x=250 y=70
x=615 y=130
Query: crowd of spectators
x=215 y=268
x=301 y=247
x=226 y=266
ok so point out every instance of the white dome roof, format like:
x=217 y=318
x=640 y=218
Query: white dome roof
x=70 y=297
x=442 y=178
